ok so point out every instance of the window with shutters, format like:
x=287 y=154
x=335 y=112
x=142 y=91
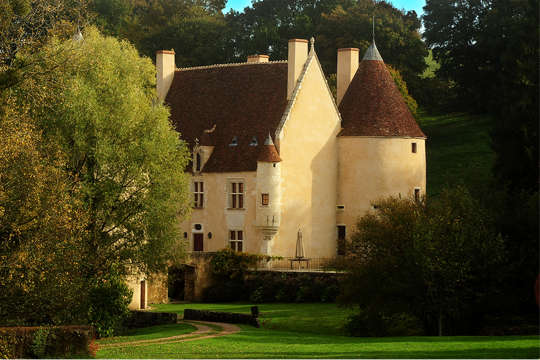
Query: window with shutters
x=198 y=194
x=236 y=240
x=236 y=194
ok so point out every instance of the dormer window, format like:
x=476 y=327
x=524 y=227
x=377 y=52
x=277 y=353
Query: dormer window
x=234 y=141
x=254 y=141
x=198 y=162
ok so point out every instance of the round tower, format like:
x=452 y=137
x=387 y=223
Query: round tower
x=381 y=147
x=268 y=195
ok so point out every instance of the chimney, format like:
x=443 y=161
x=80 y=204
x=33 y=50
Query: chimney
x=257 y=59
x=298 y=52
x=165 y=67
x=347 y=64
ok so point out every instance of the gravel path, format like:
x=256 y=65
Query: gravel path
x=203 y=332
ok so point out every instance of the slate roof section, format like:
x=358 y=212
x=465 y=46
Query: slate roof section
x=242 y=101
x=373 y=105
x=268 y=152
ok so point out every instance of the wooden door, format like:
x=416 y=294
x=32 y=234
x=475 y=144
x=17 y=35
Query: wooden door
x=198 y=242
x=143 y=294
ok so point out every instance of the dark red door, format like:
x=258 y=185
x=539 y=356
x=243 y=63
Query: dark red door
x=198 y=242
x=143 y=294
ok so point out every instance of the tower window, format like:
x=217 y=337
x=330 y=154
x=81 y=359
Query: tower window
x=413 y=149
x=265 y=199
x=198 y=162
x=341 y=249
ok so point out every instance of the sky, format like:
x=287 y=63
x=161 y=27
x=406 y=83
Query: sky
x=416 y=5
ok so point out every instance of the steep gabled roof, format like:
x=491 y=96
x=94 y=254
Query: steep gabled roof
x=243 y=101
x=373 y=105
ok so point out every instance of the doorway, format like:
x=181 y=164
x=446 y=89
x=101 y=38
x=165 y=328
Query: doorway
x=143 y=294
x=198 y=242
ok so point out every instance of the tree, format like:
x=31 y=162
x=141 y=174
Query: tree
x=26 y=24
x=437 y=261
x=100 y=182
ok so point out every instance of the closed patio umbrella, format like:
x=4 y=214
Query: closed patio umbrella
x=299 y=245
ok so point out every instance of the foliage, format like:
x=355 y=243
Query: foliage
x=233 y=265
x=373 y=323
x=121 y=149
x=438 y=260
x=108 y=305
x=26 y=25
x=489 y=49
x=402 y=86
x=39 y=343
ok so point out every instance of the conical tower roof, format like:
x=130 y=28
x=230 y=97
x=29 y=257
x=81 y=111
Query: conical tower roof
x=268 y=151
x=373 y=105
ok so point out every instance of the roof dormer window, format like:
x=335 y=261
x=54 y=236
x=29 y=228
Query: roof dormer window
x=254 y=141
x=234 y=141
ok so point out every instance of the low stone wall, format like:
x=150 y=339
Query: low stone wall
x=140 y=319
x=218 y=316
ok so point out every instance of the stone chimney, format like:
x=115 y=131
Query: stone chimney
x=165 y=67
x=298 y=53
x=257 y=59
x=347 y=64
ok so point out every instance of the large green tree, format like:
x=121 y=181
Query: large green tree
x=92 y=183
x=438 y=261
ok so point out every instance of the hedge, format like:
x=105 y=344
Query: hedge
x=39 y=342
x=139 y=319
x=218 y=316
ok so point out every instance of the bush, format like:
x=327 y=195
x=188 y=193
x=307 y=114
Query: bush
x=374 y=324
x=108 y=308
x=58 y=341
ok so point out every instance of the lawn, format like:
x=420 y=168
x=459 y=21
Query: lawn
x=458 y=150
x=149 y=333
x=305 y=331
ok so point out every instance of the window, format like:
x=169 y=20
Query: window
x=265 y=199
x=341 y=245
x=236 y=195
x=198 y=194
x=236 y=239
x=417 y=194
x=413 y=148
x=198 y=162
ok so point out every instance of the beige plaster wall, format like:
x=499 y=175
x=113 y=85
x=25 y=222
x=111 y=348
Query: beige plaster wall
x=218 y=219
x=134 y=283
x=308 y=148
x=371 y=168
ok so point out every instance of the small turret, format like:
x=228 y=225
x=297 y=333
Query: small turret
x=268 y=193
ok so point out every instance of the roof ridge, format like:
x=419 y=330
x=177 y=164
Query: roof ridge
x=228 y=65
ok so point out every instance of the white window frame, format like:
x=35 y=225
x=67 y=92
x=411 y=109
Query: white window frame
x=198 y=194
x=235 y=198
x=234 y=240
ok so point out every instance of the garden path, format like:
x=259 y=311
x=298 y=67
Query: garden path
x=204 y=331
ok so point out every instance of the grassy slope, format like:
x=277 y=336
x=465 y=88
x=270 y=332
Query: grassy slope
x=288 y=317
x=152 y=332
x=458 y=151
x=304 y=331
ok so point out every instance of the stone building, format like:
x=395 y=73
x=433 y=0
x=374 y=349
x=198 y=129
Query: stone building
x=276 y=158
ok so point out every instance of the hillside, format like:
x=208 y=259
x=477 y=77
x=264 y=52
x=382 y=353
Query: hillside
x=458 y=150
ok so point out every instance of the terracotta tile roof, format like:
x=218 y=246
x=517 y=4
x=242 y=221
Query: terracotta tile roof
x=242 y=101
x=268 y=151
x=373 y=105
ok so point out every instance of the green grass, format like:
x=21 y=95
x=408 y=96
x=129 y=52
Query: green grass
x=312 y=331
x=458 y=151
x=149 y=333
x=264 y=343
x=320 y=318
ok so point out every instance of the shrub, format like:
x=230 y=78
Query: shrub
x=108 y=308
x=58 y=341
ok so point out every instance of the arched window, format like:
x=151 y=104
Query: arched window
x=198 y=162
